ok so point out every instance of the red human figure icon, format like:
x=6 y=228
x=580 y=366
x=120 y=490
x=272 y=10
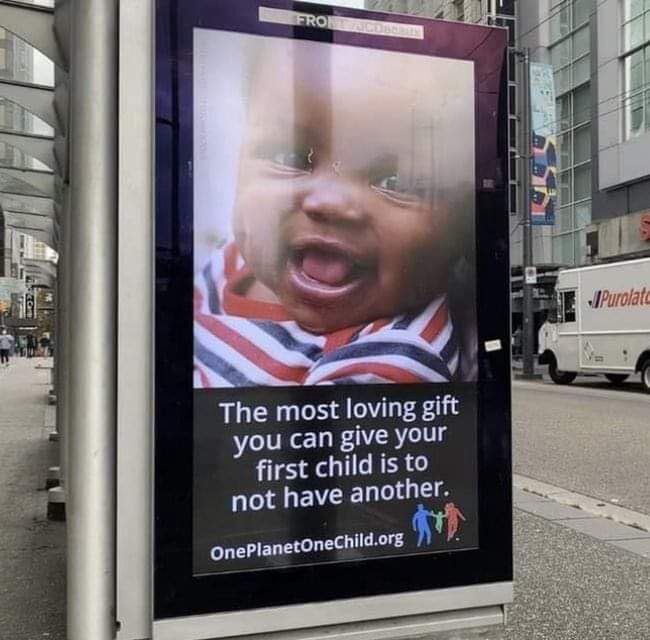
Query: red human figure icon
x=452 y=513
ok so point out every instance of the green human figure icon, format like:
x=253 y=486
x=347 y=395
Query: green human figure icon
x=438 y=517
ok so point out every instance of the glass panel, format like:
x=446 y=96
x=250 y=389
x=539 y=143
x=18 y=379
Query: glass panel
x=580 y=246
x=581 y=11
x=28 y=204
x=563 y=111
x=632 y=8
x=14 y=158
x=565 y=195
x=561 y=54
x=582 y=70
x=582 y=182
x=582 y=144
x=633 y=33
x=560 y=21
x=634 y=115
x=10 y=184
x=14 y=118
x=634 y=72
x=566 y=156
x=581 y=104
x=23 y=63
x=565 y=219
x=563 y=80
x=563 y=249
x=582 y=214
x=647 y=110
x=581 y=42
x=39 y=3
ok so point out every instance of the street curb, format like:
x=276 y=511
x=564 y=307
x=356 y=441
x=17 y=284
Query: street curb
x=587 y=504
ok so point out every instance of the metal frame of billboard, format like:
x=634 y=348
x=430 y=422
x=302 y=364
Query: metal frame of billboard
x=389 y=615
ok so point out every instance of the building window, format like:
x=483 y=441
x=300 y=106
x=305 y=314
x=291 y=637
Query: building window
x=636 y=82
x=571 y=61
x=570 y=57
x=636 y=23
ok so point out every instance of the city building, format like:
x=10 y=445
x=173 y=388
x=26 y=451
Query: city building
x=600 y=53
x=25 y=221
x=620 y=137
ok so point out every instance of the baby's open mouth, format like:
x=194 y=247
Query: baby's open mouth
x=324 y=272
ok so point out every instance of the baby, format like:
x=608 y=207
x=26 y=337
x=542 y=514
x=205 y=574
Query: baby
x=339 y=262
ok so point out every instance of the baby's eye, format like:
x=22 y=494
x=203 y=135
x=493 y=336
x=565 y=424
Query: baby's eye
x=290 y=161
x=393 y=188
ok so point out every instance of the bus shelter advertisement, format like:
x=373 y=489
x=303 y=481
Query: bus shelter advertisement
x=334 y=171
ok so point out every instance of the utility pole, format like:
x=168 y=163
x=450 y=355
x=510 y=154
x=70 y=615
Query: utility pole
x=525 y=153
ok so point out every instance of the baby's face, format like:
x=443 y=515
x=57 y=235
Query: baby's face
x=334 y=211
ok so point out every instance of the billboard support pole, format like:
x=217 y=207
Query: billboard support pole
x=528 y=334
x=93 y=223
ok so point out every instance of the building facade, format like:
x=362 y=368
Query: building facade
x=600 y=53
x=621 y=139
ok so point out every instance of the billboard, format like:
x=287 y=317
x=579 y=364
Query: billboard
x=329 y=187
x=543 y=191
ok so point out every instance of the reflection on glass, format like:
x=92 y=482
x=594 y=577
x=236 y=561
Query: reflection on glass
x=21 y=62
x=583 y=214
x=27 y=204
x=15 y=118
x=565 y=219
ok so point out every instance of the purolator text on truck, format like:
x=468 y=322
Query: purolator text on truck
x=632 y=298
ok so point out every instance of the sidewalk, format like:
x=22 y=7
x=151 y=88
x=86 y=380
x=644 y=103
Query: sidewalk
x=32 y=561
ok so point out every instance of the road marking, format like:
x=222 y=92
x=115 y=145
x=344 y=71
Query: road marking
x=587 y=504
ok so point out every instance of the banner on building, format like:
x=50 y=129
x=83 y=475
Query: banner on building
x=543 y=192
x=318 y=380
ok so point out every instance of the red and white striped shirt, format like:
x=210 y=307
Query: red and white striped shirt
x=239 y=342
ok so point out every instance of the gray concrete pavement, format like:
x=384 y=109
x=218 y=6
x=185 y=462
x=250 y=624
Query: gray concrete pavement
x=571 y=586
x=32 y=562
x=589 y=438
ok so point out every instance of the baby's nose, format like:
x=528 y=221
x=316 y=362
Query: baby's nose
x=335 y=201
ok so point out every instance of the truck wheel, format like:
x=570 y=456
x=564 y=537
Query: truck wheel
x=645 y=376
x=561 y=377
x=616 y=378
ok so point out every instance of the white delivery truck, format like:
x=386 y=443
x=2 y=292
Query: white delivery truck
x=599 y=323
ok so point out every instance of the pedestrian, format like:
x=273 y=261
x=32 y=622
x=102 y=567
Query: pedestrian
x=6 y=343
x=22 y=346
x=31 y=345
x=45 y=345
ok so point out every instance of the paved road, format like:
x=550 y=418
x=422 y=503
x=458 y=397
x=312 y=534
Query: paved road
x=587 y=437
x=32 y=565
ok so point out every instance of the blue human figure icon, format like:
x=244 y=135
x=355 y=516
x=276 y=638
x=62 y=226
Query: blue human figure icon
x=421 y=526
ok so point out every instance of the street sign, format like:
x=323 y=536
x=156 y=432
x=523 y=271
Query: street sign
x=531 y=275
x=323 y=408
